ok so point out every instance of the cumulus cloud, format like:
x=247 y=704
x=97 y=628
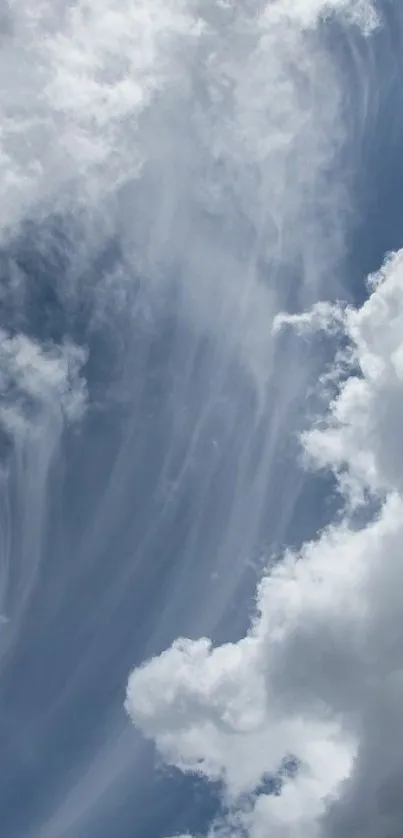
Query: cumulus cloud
x=362 y=434
x=320 y=673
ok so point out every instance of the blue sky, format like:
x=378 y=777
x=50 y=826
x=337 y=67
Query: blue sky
x=173 y=177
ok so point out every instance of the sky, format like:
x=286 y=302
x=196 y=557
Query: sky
x=201 y=372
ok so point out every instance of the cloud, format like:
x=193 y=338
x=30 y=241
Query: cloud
x=37 y=379
x=323 y=316
x=42 y=389
x=204 y=140
x=320 y=673
x=209 y=123
x=363 y=430
x=75 y=81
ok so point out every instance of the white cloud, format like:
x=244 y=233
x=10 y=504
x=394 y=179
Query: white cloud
x=71 y=79
x=320 y=673
x=38 y=379
x=323 y=316
x=212 y=123
x=42 y=388
x=363 y=430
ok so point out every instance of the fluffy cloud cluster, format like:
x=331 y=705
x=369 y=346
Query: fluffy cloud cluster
x=319 y=675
